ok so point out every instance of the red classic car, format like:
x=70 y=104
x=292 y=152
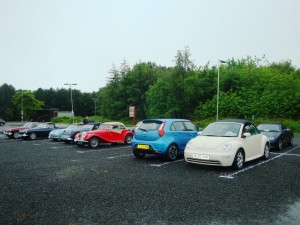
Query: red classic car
x=109 y=132
x=14 y=131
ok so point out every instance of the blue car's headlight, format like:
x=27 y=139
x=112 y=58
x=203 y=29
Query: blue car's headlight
x=271 y=138
x=227 y=147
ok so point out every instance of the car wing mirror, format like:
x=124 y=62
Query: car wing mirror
x=245 y=135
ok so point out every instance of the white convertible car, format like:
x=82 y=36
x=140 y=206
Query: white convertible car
x=227 y=143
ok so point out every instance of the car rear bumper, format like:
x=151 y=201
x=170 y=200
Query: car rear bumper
x=153 y=148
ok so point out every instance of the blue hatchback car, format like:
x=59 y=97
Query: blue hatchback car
x=165 y=137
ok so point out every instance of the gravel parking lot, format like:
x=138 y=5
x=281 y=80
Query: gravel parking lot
x=46 y=182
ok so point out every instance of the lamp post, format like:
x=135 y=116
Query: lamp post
x=95 y=105
x=218 y=88
x=71 y=100
x=22 y=104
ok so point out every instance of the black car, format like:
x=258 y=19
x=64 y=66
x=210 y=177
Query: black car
x=2 y=122
x=278 y=134
x=69 y=135
x=41 y=131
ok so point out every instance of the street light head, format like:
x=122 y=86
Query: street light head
x=223 y=61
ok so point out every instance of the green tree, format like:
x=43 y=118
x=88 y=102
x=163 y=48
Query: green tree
x=7 y=110
x=25 y=99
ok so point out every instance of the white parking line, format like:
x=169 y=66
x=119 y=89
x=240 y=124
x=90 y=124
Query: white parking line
x=100 y=150
x=231 y=176
x=119 y=156
x=277 y=153
x=166 y=163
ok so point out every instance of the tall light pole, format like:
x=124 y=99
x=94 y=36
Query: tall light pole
x=22 y=104
x=218 y=88
x=71 y=100
x=95 y=105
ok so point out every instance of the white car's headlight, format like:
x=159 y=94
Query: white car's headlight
x=227 y=147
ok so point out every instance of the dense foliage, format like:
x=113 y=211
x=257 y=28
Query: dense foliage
x=249 y=88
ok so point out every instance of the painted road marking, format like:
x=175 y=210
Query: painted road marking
x=119 y=156
x=231 y=176
x=100 y=150
x=166 y=163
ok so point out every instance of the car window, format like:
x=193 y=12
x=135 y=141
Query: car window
x=190 y=126
x=269 y=127
x=150 y=125
x=177 y=126
x=250 y=129
x=222 y=129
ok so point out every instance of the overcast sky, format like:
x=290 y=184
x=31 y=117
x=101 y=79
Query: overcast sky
x=46 y=43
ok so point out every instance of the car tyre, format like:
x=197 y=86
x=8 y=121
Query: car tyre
x=128 y=139
x=266 y=152
x=93 y=142
x=32 y=136
x=280 y=145
x=139 y=155
x=239 y=159
x=15 y=135
x=171 y=153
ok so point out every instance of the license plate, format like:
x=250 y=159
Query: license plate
x=143 y=146
x=196 y=156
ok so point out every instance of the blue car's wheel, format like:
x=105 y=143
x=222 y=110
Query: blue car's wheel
x=138 y=155
x=171 y=153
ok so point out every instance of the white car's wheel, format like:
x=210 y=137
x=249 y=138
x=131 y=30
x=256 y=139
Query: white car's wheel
x=266 y=151
x=239 y=159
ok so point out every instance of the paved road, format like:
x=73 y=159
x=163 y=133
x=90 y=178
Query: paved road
x=46 y=182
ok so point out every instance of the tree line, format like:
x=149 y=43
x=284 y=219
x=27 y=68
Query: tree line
x=249 y=87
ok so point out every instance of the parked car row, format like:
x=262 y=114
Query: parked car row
x=222 y=143
x=91 y=134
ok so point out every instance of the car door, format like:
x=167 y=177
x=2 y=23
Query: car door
x=182 y=132
x=45 y=132
x=252 y=143
x=285 y=134
x=115 y=134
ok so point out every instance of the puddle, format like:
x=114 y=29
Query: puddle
x=292 y=216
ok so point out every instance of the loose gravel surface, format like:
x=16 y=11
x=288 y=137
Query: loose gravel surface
x=45 y=182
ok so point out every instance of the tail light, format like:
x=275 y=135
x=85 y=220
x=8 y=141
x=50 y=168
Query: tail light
x=161 y=130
